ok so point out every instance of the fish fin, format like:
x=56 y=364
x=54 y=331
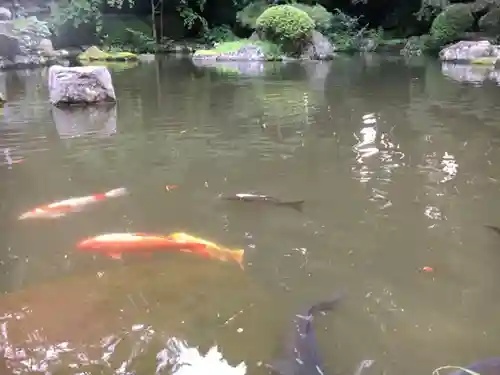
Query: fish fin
x=116 y=256
x=282 y=366
x=238 y=256
x=494 y=228
x=296 y=205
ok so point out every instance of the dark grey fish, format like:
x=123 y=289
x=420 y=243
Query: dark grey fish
x=492 y=227
x=301 y=355
x=250 y=197
x=489 y=366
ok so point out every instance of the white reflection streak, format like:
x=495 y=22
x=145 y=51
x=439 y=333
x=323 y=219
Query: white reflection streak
x=366 y=142
x=187 y=360
x=450 y=167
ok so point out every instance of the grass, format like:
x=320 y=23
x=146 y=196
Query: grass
x=271 y=51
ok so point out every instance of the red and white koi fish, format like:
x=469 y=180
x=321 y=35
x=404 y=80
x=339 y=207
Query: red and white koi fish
x=62 y=208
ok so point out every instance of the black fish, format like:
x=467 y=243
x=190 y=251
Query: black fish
x=496 y=229
x=250 y=197
x=489 y=366
x=301 y=355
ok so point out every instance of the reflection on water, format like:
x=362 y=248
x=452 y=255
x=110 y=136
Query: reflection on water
x=396 y=162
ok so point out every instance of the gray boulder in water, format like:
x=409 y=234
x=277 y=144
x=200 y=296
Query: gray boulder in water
x=5 y=14
x=319 y=47
x=469 y=52
x=80 y=85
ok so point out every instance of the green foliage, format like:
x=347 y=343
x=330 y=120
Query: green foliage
x=343 y=23
x=222 y=33
x=191 y=16
x=115 y=29
x=248 y=15
x=321 y=17
x=490 y=22
x=77 y=12
x=451 y=23
x=345 y=32
x=285 y=25
x=318 y=13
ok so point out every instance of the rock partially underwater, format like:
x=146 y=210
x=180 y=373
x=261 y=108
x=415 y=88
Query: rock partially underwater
x=80 y=85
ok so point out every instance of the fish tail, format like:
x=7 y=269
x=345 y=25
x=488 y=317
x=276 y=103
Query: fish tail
x=296 y=205
x=116 y=193
x=238 y=256
x=494 y=228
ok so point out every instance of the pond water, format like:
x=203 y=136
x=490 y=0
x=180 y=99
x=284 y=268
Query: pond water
x=398 y=165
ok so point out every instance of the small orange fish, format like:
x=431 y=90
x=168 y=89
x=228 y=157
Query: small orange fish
x=170 y=187
x=62 y=208
x=116 y=244
x=215 y=251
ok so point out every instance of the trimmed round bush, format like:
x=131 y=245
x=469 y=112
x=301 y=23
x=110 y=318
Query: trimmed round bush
x=318 y=13
x=451 y=22
x=286 y=25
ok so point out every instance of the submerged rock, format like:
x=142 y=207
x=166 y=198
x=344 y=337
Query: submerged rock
x=472 y=52
x=80 y=85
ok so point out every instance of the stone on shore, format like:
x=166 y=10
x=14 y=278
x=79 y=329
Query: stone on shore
x=80 y=85
x=471 y=52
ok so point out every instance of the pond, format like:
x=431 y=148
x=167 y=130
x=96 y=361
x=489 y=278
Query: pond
x=396 y=161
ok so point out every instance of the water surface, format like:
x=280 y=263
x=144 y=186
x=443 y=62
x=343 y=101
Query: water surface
x=386 y=194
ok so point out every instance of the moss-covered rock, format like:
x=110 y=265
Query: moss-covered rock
x=287 y=26
x=490 y=22
x=95 y=54
x=243 y=49
x=451 y=23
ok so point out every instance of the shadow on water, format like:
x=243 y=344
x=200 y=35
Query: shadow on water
x=395 y=160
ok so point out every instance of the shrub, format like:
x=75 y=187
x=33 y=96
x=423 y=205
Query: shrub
x=248 y=15
x=451 y=22
x=318 y=13
x=285 y=25
x=219 y=34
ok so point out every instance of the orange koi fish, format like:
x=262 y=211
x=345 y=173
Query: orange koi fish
x=215 y=251
x=116 y=244
x=62 y=208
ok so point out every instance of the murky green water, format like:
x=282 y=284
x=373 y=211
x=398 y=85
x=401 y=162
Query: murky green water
x=383 y=200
